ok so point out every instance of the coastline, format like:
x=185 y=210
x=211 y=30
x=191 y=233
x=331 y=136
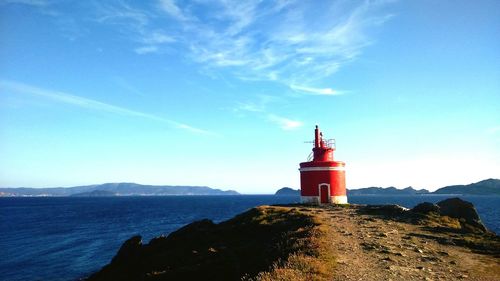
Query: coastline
x=327 y=242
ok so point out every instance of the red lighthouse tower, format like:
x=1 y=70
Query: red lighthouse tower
x=322 y=180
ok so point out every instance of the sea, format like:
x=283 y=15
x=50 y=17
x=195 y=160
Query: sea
x=68 y=238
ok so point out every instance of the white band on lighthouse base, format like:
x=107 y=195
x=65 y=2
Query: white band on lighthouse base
x=315 y=169
x=339 y=199
x=316 y=200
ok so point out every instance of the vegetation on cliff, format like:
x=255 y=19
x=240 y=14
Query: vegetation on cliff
x=279 y=241
x=445 y=241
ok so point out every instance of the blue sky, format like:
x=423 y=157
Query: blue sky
x=224 y=93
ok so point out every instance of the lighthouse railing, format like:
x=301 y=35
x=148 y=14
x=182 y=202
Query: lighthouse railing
x=310 y=157
x=330 y=143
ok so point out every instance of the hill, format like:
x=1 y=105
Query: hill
x=298 y=242
x=95 y=193
x=120 y=189
x=386 y=191
x=287 y=191
x=484 y=187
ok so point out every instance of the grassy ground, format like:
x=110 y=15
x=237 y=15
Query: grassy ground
x=311 y=257
x=264 y=243
x=297 y=242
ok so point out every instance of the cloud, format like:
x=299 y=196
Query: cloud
x=493 y=130
x=169 y=7
x=124 y=84
x=249 y=106
x=157 y=37
x=289 y=42
x=284 y=123
x=93 y=105
x=136 y=24
x=146 y=50
x=121 y=14
x=316 y=91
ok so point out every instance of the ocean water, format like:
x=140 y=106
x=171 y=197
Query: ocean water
x=64 y=238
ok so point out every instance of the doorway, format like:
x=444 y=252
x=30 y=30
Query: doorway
x=324 y=192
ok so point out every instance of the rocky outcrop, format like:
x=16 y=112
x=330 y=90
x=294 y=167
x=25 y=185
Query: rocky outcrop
x=301 y=242
x=243 y=246
x=464 y=211
x=426 y=208
x=453 y=212
x=128 y=250
x=384 y=210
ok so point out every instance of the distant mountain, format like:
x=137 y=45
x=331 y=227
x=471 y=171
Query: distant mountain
x=484 y=187
x=287 y=191
x=119 y=189
x=95 y=193
x=386 y=191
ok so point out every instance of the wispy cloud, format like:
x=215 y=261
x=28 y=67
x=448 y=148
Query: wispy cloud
x=260 y=108
x=259 y=104
x=493 y=130
x=136 y=24
x=124 y=84
x=248 y=106
x=146 y=50
x=157 y=37
x=169 y=7
x=66 y=98
x=284 y=123
x=316 y=91
x=290 y=42
x=121 y=13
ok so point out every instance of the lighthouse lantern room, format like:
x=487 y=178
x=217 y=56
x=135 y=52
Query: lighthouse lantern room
x=322 y=180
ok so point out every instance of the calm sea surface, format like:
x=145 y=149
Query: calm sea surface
x=64 y=238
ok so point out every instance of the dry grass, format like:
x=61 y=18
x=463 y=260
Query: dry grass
x=264 y=243
x=312 y=260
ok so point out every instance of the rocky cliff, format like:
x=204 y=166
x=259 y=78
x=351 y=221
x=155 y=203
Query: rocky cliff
x=444 y=241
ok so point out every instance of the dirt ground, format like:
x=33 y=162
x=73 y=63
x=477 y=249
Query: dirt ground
x=369 y=248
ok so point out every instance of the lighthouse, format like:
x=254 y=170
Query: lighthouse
x=322 y=179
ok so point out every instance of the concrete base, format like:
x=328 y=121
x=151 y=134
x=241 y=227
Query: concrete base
x=339 y=199
x=315 y=200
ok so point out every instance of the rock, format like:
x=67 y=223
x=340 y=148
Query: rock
x=385 y=210
x=443 y=253
x=430 y=258
x=460 y=209
x=129 y=249
x=425 y=208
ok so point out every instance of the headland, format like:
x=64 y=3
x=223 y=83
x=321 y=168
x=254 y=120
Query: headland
x=444 y=241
